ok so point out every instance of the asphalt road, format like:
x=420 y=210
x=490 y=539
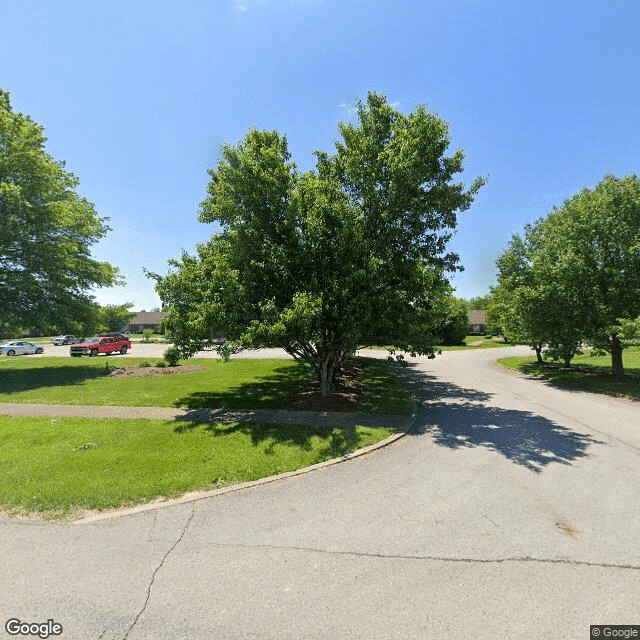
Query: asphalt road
x=512 y=512
x=156 y=350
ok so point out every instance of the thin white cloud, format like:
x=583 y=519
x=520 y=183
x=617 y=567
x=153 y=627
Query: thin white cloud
x=243 y=6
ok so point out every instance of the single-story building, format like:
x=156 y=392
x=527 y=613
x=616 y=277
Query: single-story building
x=144 y=320
x=477 y=321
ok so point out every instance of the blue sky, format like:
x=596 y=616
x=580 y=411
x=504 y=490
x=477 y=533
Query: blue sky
x=138 y=95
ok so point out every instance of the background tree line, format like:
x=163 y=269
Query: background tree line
x=573 y=278
x=93 y=319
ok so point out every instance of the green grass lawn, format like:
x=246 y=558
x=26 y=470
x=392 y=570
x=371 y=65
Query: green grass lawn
x=238 y=384
x=470 y=342
x=382 y=393
x=593 y=372
x=55 y=465
x=45 y=340
x=477 y=342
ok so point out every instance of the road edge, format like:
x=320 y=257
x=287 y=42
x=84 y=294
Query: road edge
x=194 y=496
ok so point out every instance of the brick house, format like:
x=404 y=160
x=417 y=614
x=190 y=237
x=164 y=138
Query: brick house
x=144 y=320
x=477 y=320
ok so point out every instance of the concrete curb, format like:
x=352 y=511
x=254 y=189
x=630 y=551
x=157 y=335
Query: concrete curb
x=401 y=424
x=194 y=496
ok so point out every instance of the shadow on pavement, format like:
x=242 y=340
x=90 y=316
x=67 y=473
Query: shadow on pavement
x=458 y=418
x=426 y=387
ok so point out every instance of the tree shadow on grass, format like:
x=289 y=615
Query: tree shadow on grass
x=340 y=440
x=381 y=393
x=592 y=379
x=38 y=377
x=265 y=392
x=459 y=418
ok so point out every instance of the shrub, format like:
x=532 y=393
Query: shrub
x=144 y=363
x=161 y=364
x=146 y=334
x=172 y=356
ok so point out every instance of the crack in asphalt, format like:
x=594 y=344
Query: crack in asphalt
x=363 y=554
x=153 y=576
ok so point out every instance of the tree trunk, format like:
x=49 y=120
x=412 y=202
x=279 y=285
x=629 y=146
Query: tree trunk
x=616 y=358
x=538 y=349
x=327 y=370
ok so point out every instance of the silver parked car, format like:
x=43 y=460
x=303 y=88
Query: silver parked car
x=59 y=340
x=18 y=348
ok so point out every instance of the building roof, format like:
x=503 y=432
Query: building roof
x=146 y=317
x=477 y=316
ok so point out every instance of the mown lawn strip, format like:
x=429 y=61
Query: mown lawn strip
x=588 y=371
x=57 y=464
x=242 y=384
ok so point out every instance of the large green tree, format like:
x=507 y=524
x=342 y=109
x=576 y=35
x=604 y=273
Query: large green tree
x=324 y=262
x=595 y=239
x=533 y=304
x=113 y=317
x=574 y=276
x=454 y=325
x=46 y=231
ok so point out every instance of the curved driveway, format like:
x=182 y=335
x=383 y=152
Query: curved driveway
x=512 y=512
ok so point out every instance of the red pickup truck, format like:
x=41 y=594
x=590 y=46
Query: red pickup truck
x=101 y=344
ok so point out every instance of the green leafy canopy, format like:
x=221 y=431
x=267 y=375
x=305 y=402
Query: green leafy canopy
x=574 y=277
x=323 y=262
x=46 y=231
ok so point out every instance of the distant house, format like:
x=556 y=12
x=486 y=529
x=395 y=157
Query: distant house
x=144 y=320
x=477 y=321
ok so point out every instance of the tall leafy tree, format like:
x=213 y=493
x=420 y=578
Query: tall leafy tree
x=114 y=317
x=533 y=303
x=46 y=231
x=595 y=237
x=324 y=262
x=454 y=325
x=510 y=310
x=575 y=275
x=479 y=302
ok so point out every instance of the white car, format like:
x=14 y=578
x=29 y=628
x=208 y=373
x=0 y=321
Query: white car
x=18 y=348
x=60 y=340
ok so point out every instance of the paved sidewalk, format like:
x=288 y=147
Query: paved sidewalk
x=320 y=418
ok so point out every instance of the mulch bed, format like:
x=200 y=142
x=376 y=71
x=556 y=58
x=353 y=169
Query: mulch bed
x=145 y=372
x=346 y=393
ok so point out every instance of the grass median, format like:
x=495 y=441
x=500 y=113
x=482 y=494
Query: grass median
x=57 y=465
x=588 y=371
x=470 y=343
x=238 y=384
